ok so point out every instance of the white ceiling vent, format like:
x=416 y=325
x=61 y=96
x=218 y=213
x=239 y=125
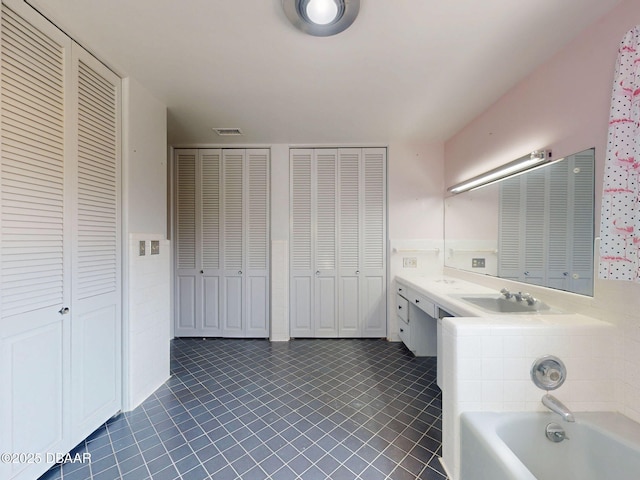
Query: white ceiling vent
x=228 y=132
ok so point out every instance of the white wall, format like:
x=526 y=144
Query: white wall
x=146 y=319
x=564 y=106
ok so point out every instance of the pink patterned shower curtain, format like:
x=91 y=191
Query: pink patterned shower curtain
x=620 y=216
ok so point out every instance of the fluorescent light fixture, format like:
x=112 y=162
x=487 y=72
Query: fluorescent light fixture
x=535 y=159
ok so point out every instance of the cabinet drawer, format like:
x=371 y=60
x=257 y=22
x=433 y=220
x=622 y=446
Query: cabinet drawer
x=404 y=331
x=402 y=308
x=402 y=290
x=423 y=303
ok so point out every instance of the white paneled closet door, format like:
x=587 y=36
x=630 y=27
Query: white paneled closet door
x=314 y=243
x=338 y=238
x=233 y=242
x=362 y=240
x=35 y=262
x=60 y=296
x=222 y=239
x=256 y=265
x=302 y=260
x=96 y=260
x=373 y=266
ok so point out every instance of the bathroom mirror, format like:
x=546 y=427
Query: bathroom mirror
x=537 y=227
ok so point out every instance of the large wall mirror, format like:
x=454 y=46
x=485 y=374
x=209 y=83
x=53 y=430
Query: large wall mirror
x=537 y=227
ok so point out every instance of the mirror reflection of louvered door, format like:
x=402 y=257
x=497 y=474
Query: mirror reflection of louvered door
x=338 y=242
x=60 y=259
x=546 y=225
x=221 y=207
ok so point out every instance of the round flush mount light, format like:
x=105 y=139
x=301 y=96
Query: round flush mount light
x=321 y=18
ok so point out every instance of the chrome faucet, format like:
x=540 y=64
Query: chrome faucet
x=507 y=294
x=555 y=405
x=529 y=298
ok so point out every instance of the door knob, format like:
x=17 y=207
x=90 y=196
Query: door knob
x=201 y=271
x=239 y=272
x=317 y=272
x=357 y=272
x=63 y=310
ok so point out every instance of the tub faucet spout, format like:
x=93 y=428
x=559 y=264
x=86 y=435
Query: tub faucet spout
x=555 y=405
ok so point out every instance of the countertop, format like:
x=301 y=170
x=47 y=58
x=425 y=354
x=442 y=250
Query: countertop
x=445 y=292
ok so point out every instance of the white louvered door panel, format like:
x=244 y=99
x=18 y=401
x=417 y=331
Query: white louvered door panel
x=209 y=244
x=535 y=219
x=510 y=264
x=581 y=170
x=301 y=242
x=96 y=260
x=233 y=242
x=350 y=236
x=35 y=233
x=325 y=320
x=187 y=274
x=256 y=277
x=558 y=236
x=373 y=291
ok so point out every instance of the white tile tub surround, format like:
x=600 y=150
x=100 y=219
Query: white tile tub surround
x=492 y=359
x=488 y=358
x=149 y=317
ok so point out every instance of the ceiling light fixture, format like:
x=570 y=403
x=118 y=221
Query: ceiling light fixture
x=535 y=159
x=321 y=18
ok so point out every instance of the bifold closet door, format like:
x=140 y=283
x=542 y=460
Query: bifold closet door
x=313 y=243
x=60 y=257
x=222 y=239
x=36 y=248
x=362 y=240
x=338 y=242
x=197 y=230
x=96 y=262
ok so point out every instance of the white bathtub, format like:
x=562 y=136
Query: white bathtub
x=513 y=446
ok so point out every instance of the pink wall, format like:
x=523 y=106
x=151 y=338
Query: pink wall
x=562 y=106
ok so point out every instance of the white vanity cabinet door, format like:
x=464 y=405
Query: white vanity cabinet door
x=402 y=307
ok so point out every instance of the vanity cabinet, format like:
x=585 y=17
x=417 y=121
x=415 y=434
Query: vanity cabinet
x=417 y=325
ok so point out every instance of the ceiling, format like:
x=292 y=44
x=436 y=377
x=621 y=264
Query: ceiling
x=406 y=70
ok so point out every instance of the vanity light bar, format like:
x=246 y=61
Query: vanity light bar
x=535 y=159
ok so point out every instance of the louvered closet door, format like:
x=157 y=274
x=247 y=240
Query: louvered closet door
x=187 y=257
x=373 y=266
x=208 y=297
x=233 y=246
x=324 y=215
x=558 y=235
x=35 y=247
x=350 y=239
x=96 y=297
x=580 y=196
x=362 y=240
x=509 y=260
x=256 y=277
x=301 y=243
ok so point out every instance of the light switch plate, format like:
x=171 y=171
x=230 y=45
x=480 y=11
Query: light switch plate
x=142 y=249
x=477 y=263
x=409 y=262
x=155 y=247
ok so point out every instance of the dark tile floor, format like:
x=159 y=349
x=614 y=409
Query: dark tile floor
x=310 y=409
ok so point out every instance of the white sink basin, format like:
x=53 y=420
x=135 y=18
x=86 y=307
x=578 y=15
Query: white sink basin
x=499 y=304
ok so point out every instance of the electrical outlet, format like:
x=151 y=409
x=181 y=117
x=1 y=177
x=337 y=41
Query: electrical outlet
x=155 y=247
x=477 y=262
x=409 y=262
x=142 y=248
